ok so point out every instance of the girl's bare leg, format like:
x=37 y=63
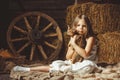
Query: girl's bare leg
x=40 y=68
x=70 y=52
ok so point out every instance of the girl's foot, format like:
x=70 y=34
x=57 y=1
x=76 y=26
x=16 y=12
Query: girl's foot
x=20 y=68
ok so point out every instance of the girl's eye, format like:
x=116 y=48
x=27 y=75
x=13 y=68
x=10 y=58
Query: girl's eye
x=82 y=25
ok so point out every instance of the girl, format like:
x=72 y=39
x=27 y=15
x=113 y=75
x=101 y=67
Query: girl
x=80 y=56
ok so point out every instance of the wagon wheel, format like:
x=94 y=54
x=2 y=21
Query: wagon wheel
x=35 y=35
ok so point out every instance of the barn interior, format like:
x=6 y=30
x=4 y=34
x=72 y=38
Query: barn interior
x=105 y=18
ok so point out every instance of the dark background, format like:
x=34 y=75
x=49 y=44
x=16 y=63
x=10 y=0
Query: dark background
x=9 y=9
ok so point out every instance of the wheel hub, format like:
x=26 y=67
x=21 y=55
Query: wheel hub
x=36 y=36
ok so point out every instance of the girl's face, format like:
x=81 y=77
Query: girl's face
x=81 y=27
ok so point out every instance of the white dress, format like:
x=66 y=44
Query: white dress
x=86 y=66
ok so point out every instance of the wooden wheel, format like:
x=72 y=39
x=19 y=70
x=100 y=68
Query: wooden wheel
x=35 y=35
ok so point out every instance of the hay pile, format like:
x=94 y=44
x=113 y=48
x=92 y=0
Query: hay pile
x=109 y=47
x=105 y=20
x=104 y=17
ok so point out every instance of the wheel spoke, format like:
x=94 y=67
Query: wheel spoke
x=50 y=45
x=59 y=33
x=47 y=27
x=51 y=35
x=38 y=21
x=20 y=30
x=29 y=28
x=23 y=47
x=19 y=39
x=32 y=51
x=42 y=51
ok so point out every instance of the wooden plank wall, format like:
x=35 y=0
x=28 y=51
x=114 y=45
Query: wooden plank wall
x=54 y=8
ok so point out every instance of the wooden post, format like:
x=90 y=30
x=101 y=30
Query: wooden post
x=75 y=2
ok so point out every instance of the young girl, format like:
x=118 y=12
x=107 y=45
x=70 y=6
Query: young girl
x=81 y=52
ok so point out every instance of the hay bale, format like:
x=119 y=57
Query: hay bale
x=104 y=17
x=109 y=47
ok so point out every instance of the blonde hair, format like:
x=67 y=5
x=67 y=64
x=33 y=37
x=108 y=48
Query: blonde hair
x=87 y=22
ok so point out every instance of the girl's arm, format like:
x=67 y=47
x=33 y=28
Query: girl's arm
x=83 y=52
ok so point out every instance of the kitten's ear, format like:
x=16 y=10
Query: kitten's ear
x=68 y=27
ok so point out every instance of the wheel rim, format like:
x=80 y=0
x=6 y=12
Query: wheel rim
x=35 y=34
